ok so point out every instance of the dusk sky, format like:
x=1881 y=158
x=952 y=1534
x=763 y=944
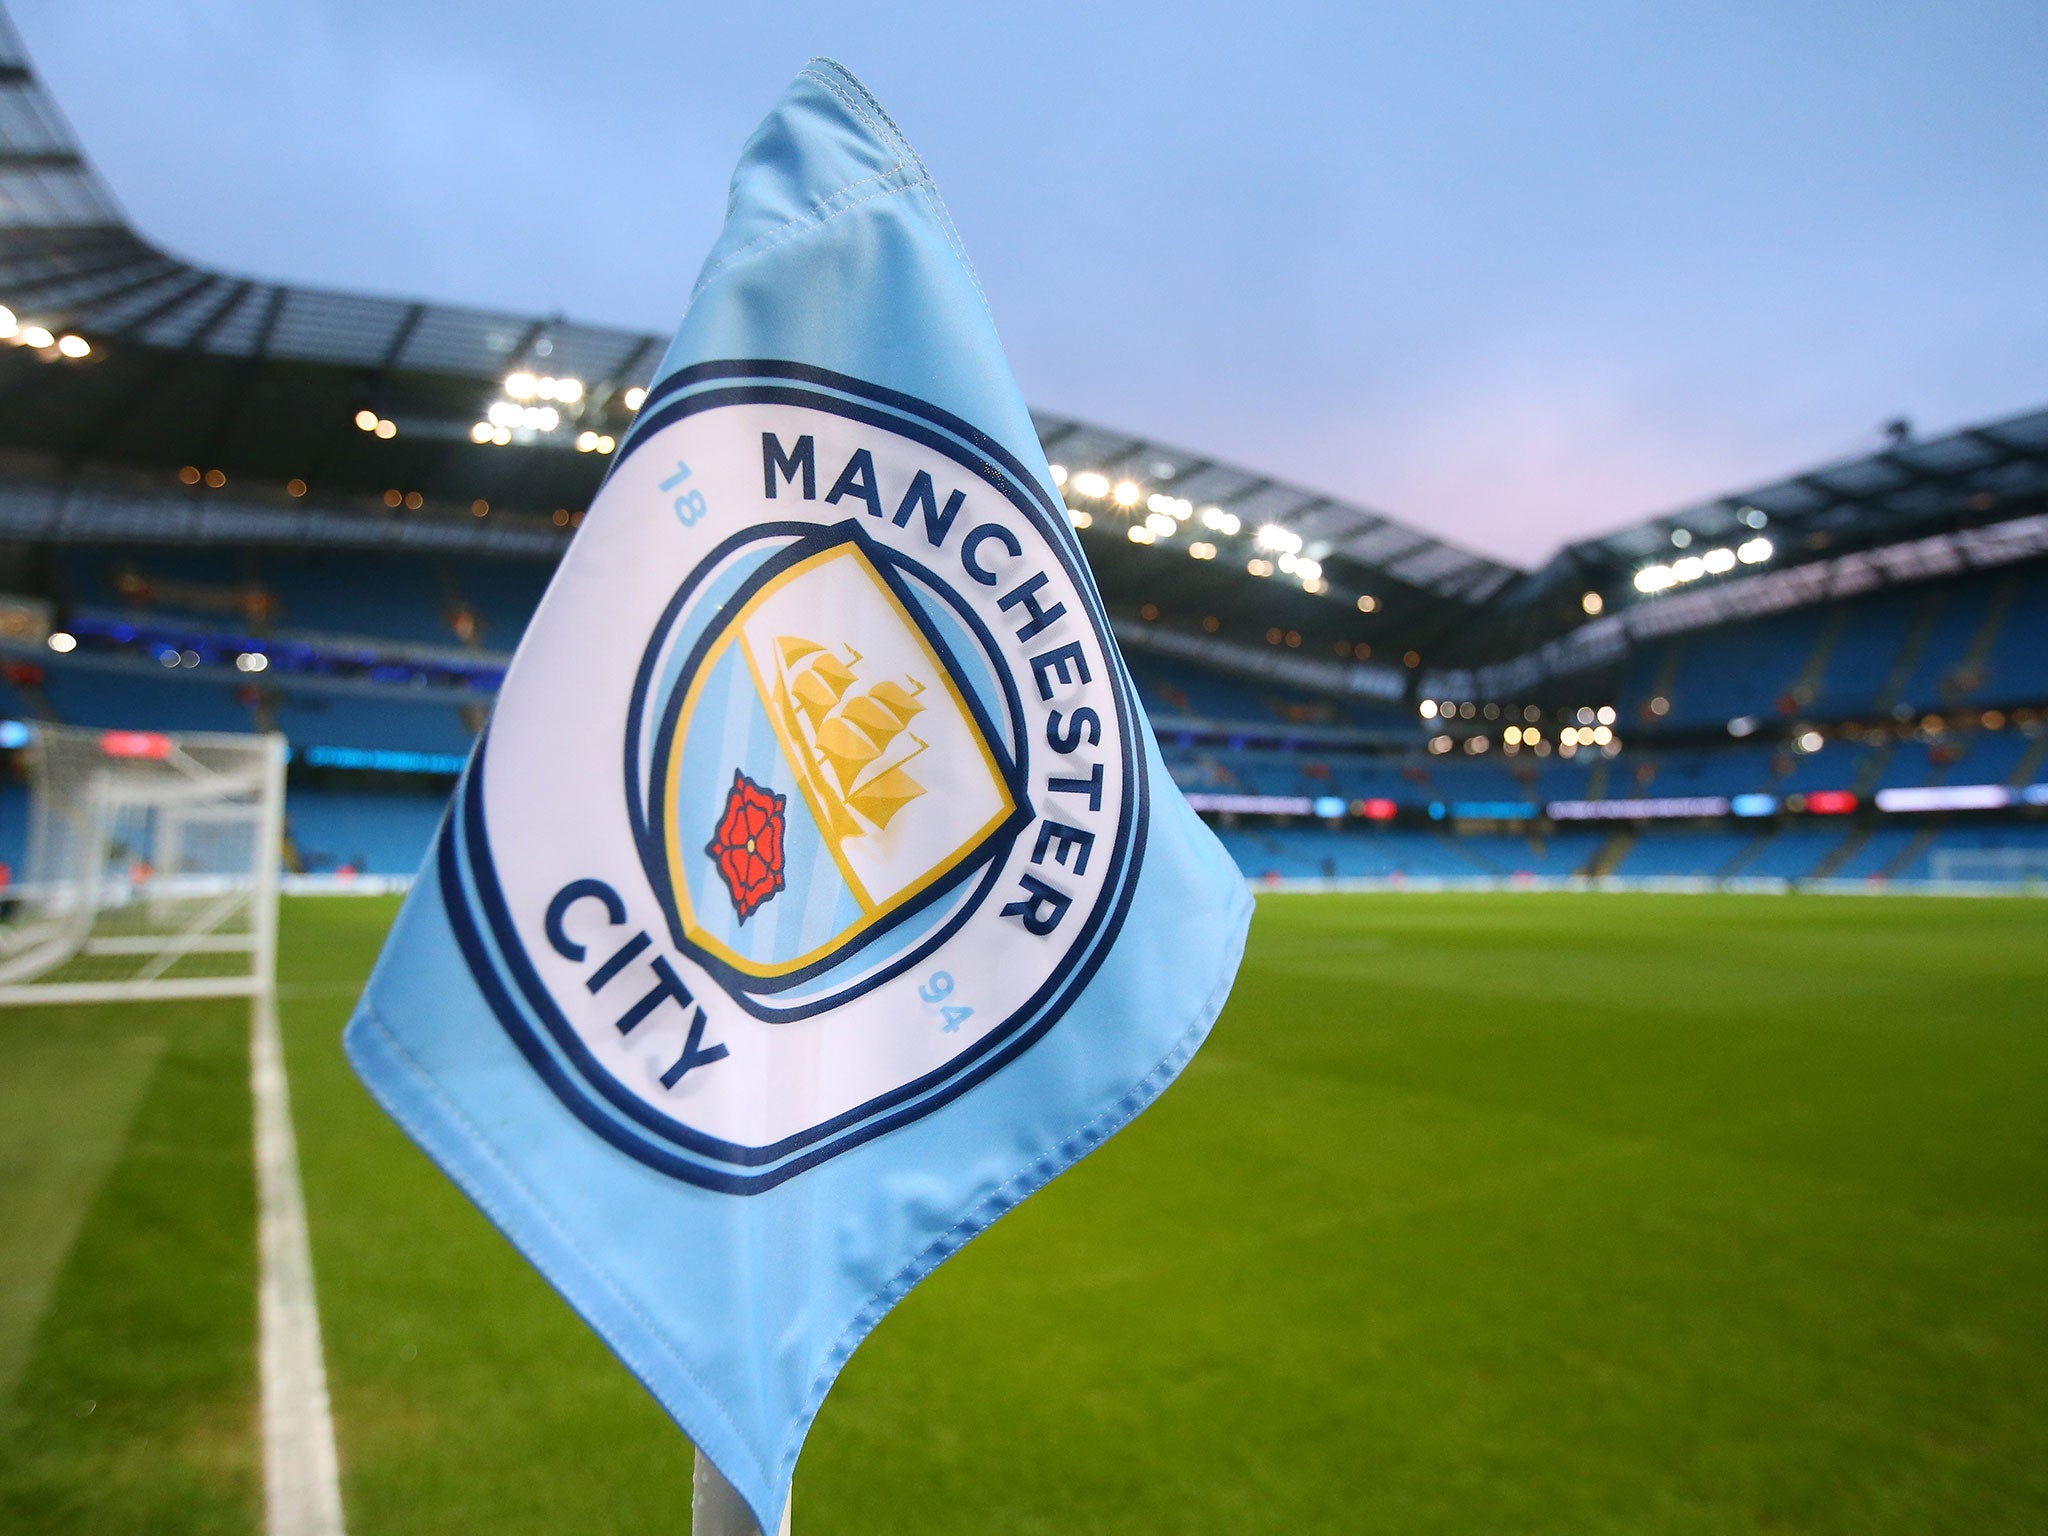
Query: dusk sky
x=1511 y=272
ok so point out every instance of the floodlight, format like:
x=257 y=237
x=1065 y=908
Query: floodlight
x=635 y=398
x=521 y=386
x=1127 y=493
x=73 y=346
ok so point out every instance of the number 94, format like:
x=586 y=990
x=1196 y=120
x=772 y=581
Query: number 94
x=935 y=992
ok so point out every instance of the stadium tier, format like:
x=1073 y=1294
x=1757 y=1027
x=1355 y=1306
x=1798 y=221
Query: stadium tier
x=229 y=504
x=1973 y=641
x=382 y=687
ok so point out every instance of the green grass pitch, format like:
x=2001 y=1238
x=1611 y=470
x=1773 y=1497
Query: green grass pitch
x=1478 y=1214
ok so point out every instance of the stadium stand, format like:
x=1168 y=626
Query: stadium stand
x=1976 y=640
x=363 y=832
x=236 y=505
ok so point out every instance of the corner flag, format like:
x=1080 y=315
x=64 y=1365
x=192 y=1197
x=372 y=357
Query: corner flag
x=817 y=892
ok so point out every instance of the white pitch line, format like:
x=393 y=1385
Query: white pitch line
x=301 y=1473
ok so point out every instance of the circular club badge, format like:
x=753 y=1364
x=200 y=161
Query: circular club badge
x=813 y=795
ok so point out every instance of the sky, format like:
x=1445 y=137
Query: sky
x=1514 y=273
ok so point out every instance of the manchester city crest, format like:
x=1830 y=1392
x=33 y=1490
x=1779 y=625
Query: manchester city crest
x=849 y=802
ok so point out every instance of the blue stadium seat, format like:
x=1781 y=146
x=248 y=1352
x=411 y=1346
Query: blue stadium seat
x=390 y=721
x=503 y=594
x=1948 y=643
x=1661 y=852
x=146 y=701
x=1865 y=654
x=387 y=596
x=1742 y=669
x=2013 y=672
x=378 y=834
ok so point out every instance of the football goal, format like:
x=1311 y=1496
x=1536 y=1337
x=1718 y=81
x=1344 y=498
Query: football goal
x=2004 y=866
x=150 y=870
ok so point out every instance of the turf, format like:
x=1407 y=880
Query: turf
x=131 y=1213
x=1543 y=1213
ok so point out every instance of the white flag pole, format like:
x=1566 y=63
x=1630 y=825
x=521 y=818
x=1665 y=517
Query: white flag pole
x=716 y=1509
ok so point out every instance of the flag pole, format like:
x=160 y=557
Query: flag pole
x=716 y=1509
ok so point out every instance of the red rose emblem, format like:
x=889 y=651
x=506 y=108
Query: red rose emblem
x=747 y=847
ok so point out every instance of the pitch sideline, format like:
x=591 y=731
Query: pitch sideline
x=301 y=1471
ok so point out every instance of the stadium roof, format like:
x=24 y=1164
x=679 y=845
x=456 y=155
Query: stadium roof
x=1971 y=478
x=191 y=365
x=186 y=370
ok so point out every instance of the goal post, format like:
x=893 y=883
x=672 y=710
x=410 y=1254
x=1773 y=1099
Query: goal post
x=150 y=870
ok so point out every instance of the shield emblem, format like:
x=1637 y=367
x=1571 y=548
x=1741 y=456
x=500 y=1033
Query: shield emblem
x=827 y=772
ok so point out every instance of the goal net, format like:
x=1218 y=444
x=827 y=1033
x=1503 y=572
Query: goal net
x=2008 y=866
x=150 y=868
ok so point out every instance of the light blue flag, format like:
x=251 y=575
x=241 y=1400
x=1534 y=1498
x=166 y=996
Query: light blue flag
x=817 y=892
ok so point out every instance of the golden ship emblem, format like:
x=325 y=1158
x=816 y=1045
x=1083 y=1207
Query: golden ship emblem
x=853 y=744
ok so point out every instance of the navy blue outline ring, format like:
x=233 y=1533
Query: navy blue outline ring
x=481 y=919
